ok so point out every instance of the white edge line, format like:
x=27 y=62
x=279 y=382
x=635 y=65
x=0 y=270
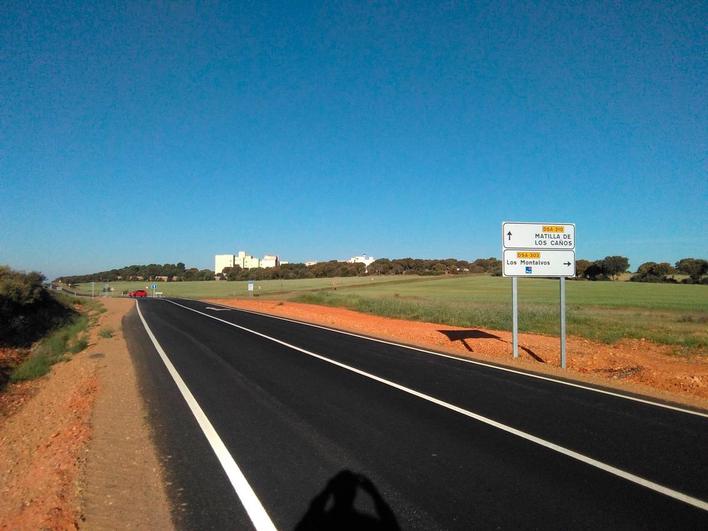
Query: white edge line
x=473 y=362
x=700 y=504
x=245 y=493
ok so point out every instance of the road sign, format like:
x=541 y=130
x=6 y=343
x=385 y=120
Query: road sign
x=154 y=286
x=538 y=235
x=250 y=286
x=534 y=263
x=537 y=250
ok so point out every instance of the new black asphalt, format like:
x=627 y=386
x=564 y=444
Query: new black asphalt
x=292 y=422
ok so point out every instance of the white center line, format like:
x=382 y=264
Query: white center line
x=245 y=493
x=700 y=504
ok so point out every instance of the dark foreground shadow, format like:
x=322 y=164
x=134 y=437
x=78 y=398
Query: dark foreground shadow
x=464 y=335
x=333 y=508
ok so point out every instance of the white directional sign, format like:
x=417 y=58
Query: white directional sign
x=535 y=263
x=537 y=250
x=538 y=235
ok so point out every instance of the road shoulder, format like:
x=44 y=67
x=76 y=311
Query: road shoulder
x=123 y=481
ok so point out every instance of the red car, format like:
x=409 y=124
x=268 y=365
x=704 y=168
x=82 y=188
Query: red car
x=138 y=293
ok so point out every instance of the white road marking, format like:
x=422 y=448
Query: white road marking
x=700 y=504
x=250 y=501
x=217 y=309
x=475 y=362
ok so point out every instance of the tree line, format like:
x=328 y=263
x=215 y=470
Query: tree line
x=167 y=272
x=333 y=268
x=695 y=268
x=608 y=268
x=382 y=266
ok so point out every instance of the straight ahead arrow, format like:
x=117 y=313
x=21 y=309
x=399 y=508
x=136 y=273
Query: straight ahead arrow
x=509 y=234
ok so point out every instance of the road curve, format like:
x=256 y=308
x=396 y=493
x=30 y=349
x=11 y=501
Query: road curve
x=257 y=419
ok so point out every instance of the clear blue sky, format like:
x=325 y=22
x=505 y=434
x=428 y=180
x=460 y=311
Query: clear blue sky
x=170 y=132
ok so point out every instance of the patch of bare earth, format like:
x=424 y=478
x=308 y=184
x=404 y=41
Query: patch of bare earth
x=630 y=365
x=44 y=429
x=75 y=451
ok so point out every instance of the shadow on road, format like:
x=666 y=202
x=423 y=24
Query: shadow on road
x=333 y=508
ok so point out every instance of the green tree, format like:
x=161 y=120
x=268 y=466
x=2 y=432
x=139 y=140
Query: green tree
x=382 y=266
x=612 y=266
x=581 y=266
x=695 y=268
x=653 y=272
x=594 y=271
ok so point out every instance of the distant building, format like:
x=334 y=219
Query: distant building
x=222 y=261
x=246 y=261
x=270 y=261
x=363 y=259
x=311 y=263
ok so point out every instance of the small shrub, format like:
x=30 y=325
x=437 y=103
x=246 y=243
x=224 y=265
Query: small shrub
x=31 y=368
x=106 y=333
x=53 y=349
x=80 y=345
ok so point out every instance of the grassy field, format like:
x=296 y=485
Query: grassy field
x=492 y=290
x=605 y=311
x=673 y=314
x=223 y=289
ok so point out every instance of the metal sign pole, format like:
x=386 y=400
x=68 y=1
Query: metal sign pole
x=515 y=314
x=562 y=321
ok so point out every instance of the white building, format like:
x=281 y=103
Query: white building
x=246 y=261
x=363 y=259
x=270 y=261
x=311 y=263
x=221 y=261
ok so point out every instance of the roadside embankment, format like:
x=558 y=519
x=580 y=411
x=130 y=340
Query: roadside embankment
x=631 y=365
x=75 y=450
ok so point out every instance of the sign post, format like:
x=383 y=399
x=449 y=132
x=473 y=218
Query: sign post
x=538 y=250
x=562 y=320
x=250 y=289
x=515 y=315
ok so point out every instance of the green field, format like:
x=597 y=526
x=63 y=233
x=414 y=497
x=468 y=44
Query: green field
x=604 y=311
x=223 y=289
x=673 y=314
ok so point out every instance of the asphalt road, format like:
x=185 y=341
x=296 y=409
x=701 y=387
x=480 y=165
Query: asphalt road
x=277 y=412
